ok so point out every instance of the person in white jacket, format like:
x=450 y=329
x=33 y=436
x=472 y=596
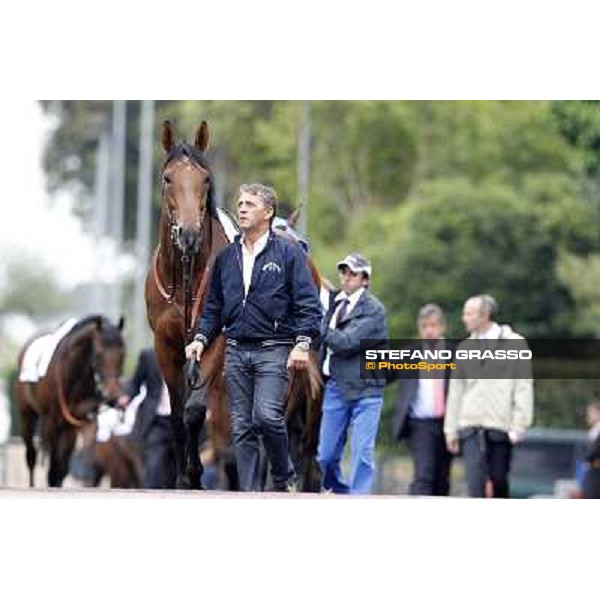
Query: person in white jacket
x=486 y=417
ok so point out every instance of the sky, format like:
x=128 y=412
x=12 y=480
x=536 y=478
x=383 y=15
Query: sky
x=31 y=222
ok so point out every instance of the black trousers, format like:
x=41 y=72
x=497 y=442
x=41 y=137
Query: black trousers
x=487 y=455
x=159 y=458
x=431 y=459
x=591 y=483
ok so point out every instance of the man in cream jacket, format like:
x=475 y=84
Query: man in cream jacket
x=486 y=417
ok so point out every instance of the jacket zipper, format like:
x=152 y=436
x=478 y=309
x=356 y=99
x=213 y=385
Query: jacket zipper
x=238 y=254
x=239 y=260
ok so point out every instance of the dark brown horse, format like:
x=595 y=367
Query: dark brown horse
x=84 y=372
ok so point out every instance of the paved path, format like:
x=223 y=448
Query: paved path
x=23 y=493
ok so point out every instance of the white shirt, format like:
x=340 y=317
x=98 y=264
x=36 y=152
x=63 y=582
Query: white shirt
x=352 y=300
x=248 y=259
x=164 y=405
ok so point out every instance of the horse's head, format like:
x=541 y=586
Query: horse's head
x=187 y=190
x=108 y=354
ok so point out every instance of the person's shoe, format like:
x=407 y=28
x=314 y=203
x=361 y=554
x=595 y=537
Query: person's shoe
x=288 y=488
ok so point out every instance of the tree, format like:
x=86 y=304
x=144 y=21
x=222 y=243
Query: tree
x=30 y=287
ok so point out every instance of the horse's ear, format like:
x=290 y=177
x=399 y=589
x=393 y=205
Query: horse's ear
x=201 y=141
x=121 y=323
x=293 y=218
x=168 y=135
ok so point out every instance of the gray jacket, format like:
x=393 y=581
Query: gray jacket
x=505 y=404
x=366 y=321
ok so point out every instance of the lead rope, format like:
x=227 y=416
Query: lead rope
x=62 y=401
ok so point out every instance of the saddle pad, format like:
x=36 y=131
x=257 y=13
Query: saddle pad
x=39 y=353
x=229 y=225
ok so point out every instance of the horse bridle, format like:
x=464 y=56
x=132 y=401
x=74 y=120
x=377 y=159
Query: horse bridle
x=99 y=378
x=191 y=302
x=98 y=390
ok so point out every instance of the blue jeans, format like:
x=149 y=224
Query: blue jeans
x=338 y=415
x=256 y=379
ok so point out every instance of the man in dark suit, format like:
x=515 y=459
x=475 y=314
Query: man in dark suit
x=152 y=423
x=420 y=409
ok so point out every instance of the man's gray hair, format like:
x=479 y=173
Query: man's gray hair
x=264 y=192
x=487 y=305
x=431 y=310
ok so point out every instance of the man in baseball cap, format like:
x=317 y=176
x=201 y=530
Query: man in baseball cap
x=354 y=313
x=356 y=263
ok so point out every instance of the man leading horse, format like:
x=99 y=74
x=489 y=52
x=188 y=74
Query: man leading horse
x=263 y=297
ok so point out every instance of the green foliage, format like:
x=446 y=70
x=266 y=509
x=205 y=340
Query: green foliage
x=581 y=275
x=454 y=239
x=562 y=402
x=579 y=122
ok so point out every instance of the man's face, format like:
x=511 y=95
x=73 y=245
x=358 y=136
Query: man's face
x=431 y=328
x=349 y=281
x=253 y=213
x=472 y=317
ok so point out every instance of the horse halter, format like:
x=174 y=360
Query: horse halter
x=100 y=380
x=175 y=229
x=191 y=303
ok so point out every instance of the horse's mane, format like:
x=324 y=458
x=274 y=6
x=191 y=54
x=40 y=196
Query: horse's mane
x=185 y=150
x=111 y=334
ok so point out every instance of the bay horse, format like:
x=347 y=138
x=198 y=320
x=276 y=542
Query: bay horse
x=190 y=237
x=84 y=372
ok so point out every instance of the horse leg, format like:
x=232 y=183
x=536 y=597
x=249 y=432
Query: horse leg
x=29 y=420
x=60 y=453
x=179 y=441
x=209 y=389
x=194 y=415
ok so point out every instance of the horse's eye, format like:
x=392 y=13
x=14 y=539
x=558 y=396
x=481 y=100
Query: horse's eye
x=167 y=179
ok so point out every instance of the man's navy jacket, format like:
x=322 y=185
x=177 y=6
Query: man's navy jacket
x=282 y=301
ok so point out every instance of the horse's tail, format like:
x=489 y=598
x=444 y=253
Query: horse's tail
x=304 y=385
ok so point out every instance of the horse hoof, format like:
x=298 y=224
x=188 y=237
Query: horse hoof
x=194 y=481
x=183 y=483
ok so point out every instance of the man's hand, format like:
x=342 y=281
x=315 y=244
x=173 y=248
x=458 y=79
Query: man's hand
x=123 y=401
x=516 y=436
x=194 y=350
x=298 y=359
x=452 y=445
